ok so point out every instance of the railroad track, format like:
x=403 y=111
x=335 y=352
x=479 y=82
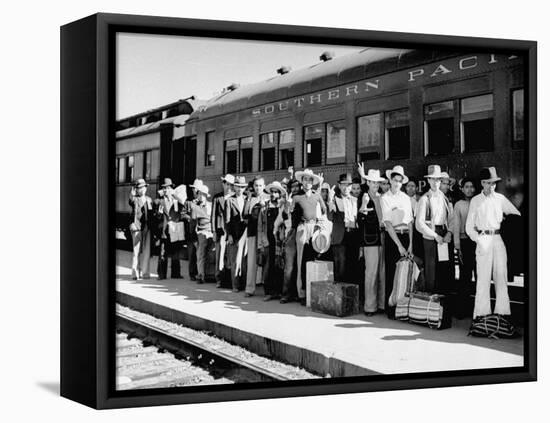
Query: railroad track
x=171 y=355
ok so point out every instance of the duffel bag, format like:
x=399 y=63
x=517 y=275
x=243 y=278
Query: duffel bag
x=492 y=326
x=406 y=273
x=429 y=310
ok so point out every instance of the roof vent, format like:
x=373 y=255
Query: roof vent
x=284 y=69
x=233 y=87
x=326 y=56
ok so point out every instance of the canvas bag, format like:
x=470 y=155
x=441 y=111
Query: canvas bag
x=406 y=274
x=424 y=309
x=492 y=326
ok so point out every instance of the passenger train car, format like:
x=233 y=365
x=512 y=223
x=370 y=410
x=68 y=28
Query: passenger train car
x=379 y=106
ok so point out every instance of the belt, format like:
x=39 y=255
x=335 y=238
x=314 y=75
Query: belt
x=309 y=221
x=351 y=229
x=489 y=232
x=401 y=231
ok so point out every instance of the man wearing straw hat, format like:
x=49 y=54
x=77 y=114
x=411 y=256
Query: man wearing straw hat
x=235 y=225
x=142 y=210
x=218 y=225
x=370 y=222
x=342 y=211
x=398 y=221
x=434 y=220
x=486 y=213
x=200 y=213
x=171 y=236
x=305 y=218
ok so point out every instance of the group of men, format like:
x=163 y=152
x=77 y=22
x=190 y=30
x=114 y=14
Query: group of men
x=264 y=234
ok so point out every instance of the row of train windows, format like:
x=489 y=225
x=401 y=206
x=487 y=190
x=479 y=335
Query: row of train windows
x=143 y=164
x=381 y=135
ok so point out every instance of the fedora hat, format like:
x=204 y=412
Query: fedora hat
x=307 y=172
x=320 y=240
x=240 y=182
x=196 y=183
x=275 y=185
x=373 y=175
x=140 y=183
x=399 y=170
x=489 y=174
x=167 y=183
x=203 y=188
x=434 y=171
x=345 y=178
x=230 y=179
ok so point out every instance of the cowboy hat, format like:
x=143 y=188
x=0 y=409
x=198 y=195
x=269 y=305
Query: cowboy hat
x=140 y=183
x=240 y=182
x=434 y=171
x=167 y=183
x=320 y=240
x=345 y=178
x=399 y=170
x=489 y=174
x=373 y=175
x=196 y=183
x=275 y=185
x=307 y=172
x=203 y=188
x=230 y=179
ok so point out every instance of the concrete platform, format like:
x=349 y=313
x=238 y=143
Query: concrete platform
x=356 y=345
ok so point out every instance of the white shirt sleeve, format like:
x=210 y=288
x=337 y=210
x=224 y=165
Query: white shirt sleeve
x=470 y=220
x=421 y=225
x=386 y=210
x=508 y=207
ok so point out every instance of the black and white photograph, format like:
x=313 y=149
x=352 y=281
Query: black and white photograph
x=289 y=211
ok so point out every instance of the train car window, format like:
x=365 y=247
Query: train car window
x=231 y=155
x=336 y=142
x=476 y=123
x=138 y=165
x=313 y=145
x=518 y=135
x=267 y=143
x=147 y=164
x=129 y=177
x=121 y=175
x=439 y=120
x=397 y=134
x=246 y=145
x=287 y=139
x=369 y=131
x=155 y=163
x=209 y=152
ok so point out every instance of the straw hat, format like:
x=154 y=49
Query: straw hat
x=307 y=172
x=196 y=183
x=140 y=183
x=320 y=240
x=399 y=170
x=230 y=179
x=373 y=175
x=240 y=182
x=434 y=171
x=203 y=188
x=167 y=183
x=275 y=185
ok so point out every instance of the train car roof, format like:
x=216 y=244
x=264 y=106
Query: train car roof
x=136 y=130
x=364 y=64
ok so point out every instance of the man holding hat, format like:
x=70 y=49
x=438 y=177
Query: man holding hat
x=201 y=211
x=142 y=210
x=398 y=221
x=235 y=226
x=434 y=220
x=342 y=211
x=218 y=225
x=486 y=213
x=170 y=213
x=305 y=218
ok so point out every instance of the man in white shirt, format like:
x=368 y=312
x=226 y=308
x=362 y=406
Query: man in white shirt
x=342 y=211
x=398 y=221
x=485 y=215
x=434 y=221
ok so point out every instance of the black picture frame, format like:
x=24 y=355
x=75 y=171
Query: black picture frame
x=87 y=150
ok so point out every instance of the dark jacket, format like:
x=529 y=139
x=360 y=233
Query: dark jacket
x=141 y=216
x=217 y=219
x=190 y=223
x=338 y=223
x=235 y=224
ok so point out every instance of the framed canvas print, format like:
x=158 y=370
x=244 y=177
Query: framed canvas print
x=258 y=211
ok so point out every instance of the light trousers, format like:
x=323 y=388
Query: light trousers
x=253 y=271
x=304 y=233
x=141 y=242
x=491 y=262
x=374 y=290
x=204 y=245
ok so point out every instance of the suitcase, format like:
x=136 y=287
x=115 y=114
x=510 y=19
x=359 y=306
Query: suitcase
x=406 y=274
x=317 y=271
x=425 y=309
x=335 y=298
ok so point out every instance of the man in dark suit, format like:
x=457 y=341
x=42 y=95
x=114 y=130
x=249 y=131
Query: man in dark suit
x=171 y=238
x=235 y=226
x=140 y=229
x=218 y=226
x=191 y=230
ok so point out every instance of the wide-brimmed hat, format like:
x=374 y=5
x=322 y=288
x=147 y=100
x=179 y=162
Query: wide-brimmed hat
x=325 y=185
x=489 y=174
x=140 y=183
x=307 y=172
x=434 y=171
x=203 y=188
x=345 y=178
x=196 y=183
x=399 y=170
x=240 y=182
x=275 y=185
x=230 y=179
x=320 y=240
x=167 y=183
x=373 y=175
